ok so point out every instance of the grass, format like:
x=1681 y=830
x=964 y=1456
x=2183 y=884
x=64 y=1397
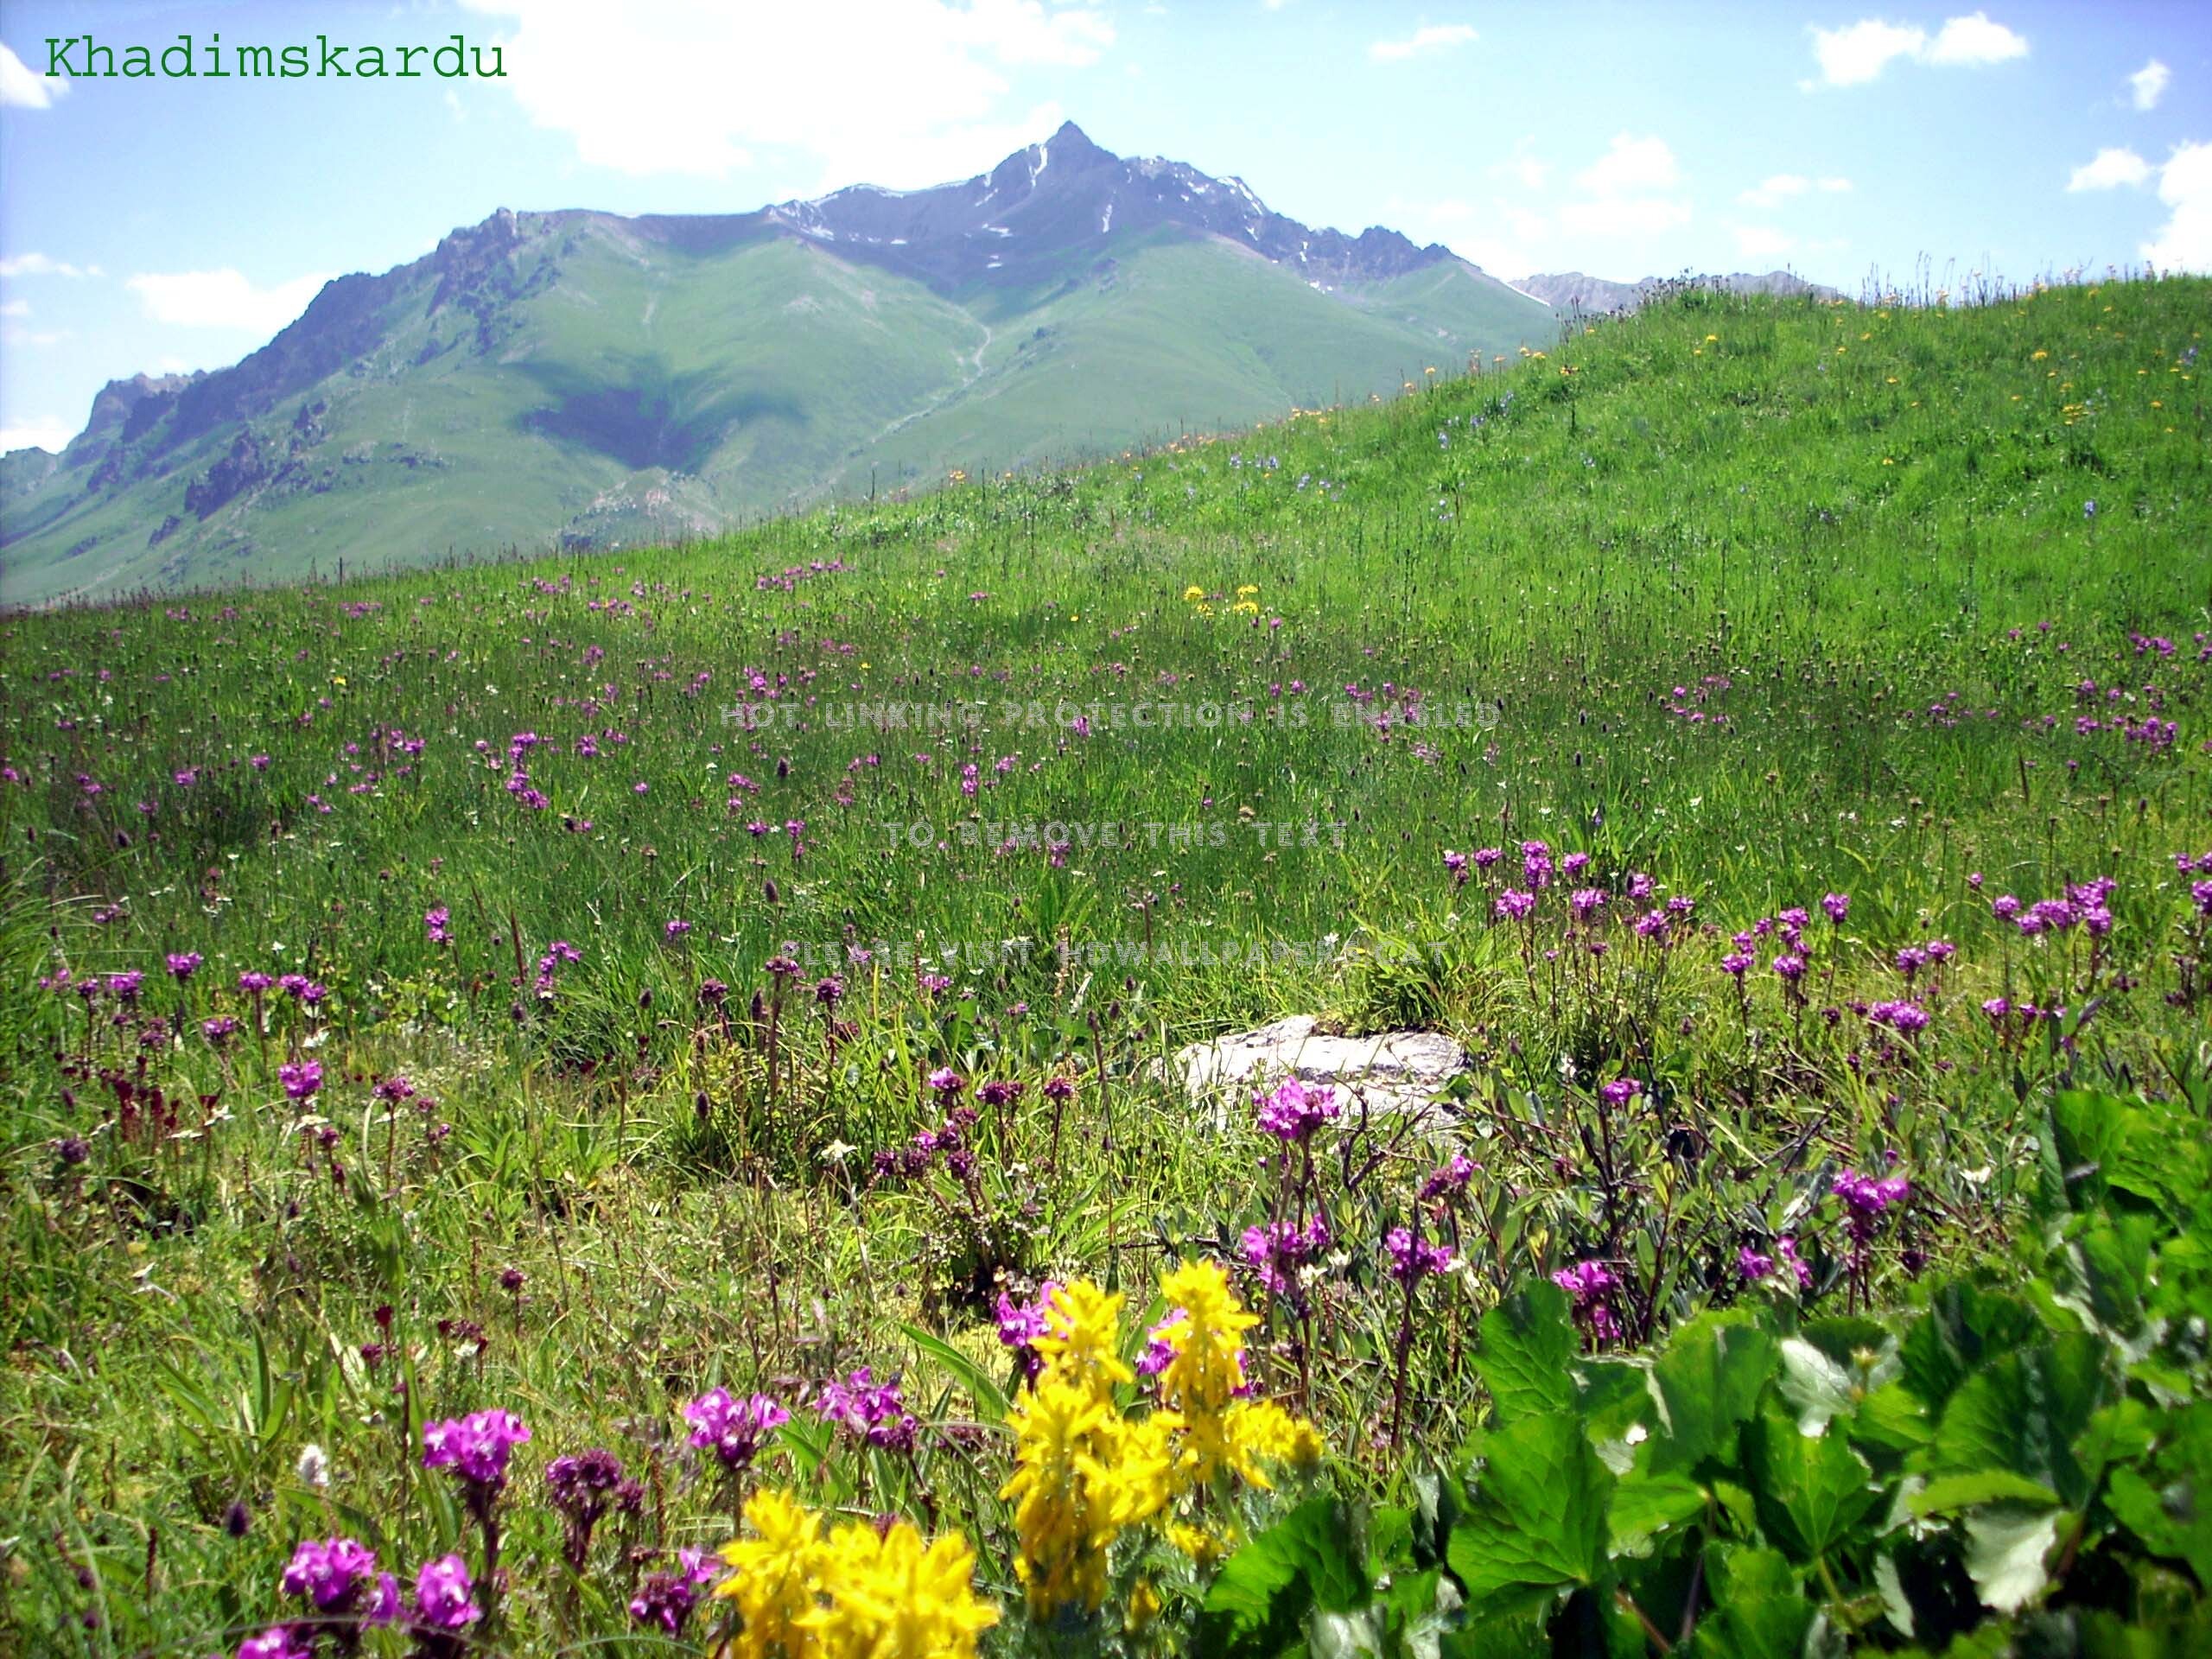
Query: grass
x=1757 y=600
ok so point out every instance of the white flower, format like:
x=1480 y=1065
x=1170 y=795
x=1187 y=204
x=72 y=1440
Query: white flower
x=314 y=1467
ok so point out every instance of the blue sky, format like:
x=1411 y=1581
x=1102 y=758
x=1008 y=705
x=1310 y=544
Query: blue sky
x=176 y=224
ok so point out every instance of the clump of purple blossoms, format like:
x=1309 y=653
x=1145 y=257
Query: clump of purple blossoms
x=583 y=1487
x=1414 y=1258
x=338 y=1578
x=1589 y=1283
x=278 y=1642
x=1450 y=1180
x=664 y=1600
x=867 y=1410
x=1277 y=1249
x=1295 y=1109
x=301 y=1079
x=1021 y=1324
x=445 y=1606
x=1866 y=1201
x=731 y=1429
x=476 y=1448
x=1756 y=1268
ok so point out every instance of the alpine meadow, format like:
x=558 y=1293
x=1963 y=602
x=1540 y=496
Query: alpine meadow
x=654 y=1101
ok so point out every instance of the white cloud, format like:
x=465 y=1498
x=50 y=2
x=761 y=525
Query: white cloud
x=896 y=92
x=1437 y=37
x=222 y=299
x=37 y=264
x=1772 y=192
x=1761 y=242
x=2185 y=185
x=1858 y=53
x=48 y=433
x=1624 y=215
x=1630 y=163
x=15 y=308
x=1624 y=190
x=2149 y=84
x=23 y=88
x=2111 y=170
x=1975 y=39
x=11 y=335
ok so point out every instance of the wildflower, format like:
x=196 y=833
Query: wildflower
x=870 y=1411
x=435 y=925
x=278 y=1642
x=583 y=1487
x=1620 y=1091
x=732 y=1429
x=331 y=1573
x=185 y=965
x=474 y=1447
x=1837 y=905
x=1413 y=1258
x=945 y=1082
x=1276 y=1251
x=444 y=1600
x=664 y=1600
x=1449 y=1181
x=1588 y=1283
x=1021 y=1325
x=1295 y=1109
x=301 y=1078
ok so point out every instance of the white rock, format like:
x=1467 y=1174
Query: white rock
x=1391 y=1072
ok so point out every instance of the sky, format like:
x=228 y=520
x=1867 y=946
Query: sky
x=170 y=224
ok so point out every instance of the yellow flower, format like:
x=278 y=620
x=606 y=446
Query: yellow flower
x=1204 y=1548
x=1194 y=592
x=1246 y=591
x=1712 y=340
x=2037 y=357
x=777 y=1579
x=891 y=1597
x=1083 y=1339
x=1247 y=607
x=1144 y=1607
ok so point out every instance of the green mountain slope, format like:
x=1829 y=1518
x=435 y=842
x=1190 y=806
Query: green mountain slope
x=581 y=379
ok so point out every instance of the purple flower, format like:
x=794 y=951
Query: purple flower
x=1449 y=1180
x=868 y=1410
x=1588 y=1282
x=301 y=1079
x=731 y=1429
x=1294 y=1110
x=1021 y=1323
x=676 y=929
x=665 y=1600
x=443 y=1598
x=1867 y=1197
x=1837 y=905
x=1276 y=1251
x=184 y=965
x=331 y=1573
x=1620 y=1091
x=1413 y=1258
x=278 y=1642
x=253 y=982
x=435 y=925
x=474 y=1447
x=1514 y=906
x=947 y=1082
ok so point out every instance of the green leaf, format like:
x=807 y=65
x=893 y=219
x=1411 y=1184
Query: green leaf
x=2022 y=1412
x=1964 y=1325
x=1893 y=1418
x=1527 y=1352
x=1757 y=1605
x=991 y=1403
x=1949 y=1492
x=1536 y=1518
x=1811 y=1488
x=1708 y=1382
x=1816 y=1385
x=1646 y=1505
x=2006 y=1547
x=1258 y=1603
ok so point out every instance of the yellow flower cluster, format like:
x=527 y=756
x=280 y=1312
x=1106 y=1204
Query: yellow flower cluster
x=1085 y=1471
x=854 y=1593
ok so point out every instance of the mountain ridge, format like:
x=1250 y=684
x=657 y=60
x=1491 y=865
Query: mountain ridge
x=580 y=377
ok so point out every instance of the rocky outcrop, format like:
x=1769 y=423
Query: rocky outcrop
x=237 y=472
x=1391 y=1071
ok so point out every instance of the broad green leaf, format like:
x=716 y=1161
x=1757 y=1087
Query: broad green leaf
x=2022 y=1412
x=1527 y=1351
x=1646 y=1505
x=2006 y=1547
x=1536 y=1517
x=1816 y=1385
x=1708 y=1382
x=1757 y=1605
x=1811 y=1488
x=1258 y=1603
x=1893 y=1419
x=1964 y=1325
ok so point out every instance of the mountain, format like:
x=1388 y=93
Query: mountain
x=1571 y=291
x=582 y=379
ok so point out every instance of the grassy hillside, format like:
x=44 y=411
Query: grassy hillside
x=1770 y=736
x=602 y=384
